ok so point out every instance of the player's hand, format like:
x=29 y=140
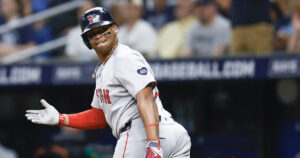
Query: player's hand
x=153 y=149
x=47 y=116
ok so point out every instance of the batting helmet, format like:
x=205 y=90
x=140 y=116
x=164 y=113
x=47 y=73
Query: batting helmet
x=94 y=18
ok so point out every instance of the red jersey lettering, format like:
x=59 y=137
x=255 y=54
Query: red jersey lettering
x=103 y=95
x=106 y=96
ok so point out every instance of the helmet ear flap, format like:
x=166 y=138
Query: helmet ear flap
x=86 y=42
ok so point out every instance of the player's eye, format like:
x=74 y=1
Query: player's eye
x=99 y=31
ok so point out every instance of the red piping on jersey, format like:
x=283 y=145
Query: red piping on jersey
x=126 y=143
x=89 y=119
x=156 y=95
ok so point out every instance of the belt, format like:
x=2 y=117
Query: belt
x=126 y=127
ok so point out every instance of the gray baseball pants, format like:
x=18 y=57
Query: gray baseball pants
x=174 y=139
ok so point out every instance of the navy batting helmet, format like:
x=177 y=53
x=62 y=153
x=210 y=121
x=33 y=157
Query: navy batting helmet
x=94 y=18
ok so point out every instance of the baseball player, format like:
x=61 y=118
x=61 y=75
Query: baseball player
x=126 y=98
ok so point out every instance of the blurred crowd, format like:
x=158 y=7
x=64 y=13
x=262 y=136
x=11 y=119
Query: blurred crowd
x=159 y=29
x=163 y=29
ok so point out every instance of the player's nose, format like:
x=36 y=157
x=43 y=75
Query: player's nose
x=98 y=35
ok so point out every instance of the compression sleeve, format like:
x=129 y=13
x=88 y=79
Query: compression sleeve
x=89 y=119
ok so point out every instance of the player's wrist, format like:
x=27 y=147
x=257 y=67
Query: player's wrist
x=152 y=131
x=61 y=120
x=155 y=142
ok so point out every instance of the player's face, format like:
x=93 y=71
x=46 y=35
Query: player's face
x=102 y=39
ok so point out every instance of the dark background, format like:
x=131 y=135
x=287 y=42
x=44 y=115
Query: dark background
x=240 y=118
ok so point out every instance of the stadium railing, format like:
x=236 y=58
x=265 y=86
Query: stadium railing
x=56 y=43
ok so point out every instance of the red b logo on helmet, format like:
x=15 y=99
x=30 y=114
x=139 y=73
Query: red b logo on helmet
x=91 y=19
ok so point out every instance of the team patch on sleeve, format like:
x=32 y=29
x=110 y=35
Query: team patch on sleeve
x=142 y=71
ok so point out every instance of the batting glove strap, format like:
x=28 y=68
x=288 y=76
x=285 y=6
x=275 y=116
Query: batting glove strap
x=62 y=119
x=153 y=149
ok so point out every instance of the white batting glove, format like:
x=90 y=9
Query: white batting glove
x=153 y=149
x=47 y=116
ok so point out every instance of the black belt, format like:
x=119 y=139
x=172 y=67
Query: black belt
x=128 y=125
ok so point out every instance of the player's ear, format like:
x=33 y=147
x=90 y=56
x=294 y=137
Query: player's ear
x=115 y=29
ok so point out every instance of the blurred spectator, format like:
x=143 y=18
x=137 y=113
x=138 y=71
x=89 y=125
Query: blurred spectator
x=109 y=4
x=75 y=48
x=73 y=140
x=160 y=14
x=210 y=36
x=41 y=32
x=51 y=151
x=7 y=153
x=277 y=17
x=38 y=5
x=116 y=12
x=136 y=32
x=252 y=30
x=171 y=36
x=294 y=41
x=224 y=7
x=68 y=143
x=284 y=6
x=282 y=27
x=115 y=9
x=26 y=8
x=61 y=23
x=18 y=39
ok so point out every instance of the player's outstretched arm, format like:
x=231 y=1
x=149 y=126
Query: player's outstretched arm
x=89 y=119
x=47 y=116
x=149 y=113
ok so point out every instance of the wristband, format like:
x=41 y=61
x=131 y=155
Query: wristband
x=147 y=126
x=155 y=140
x=62 y=119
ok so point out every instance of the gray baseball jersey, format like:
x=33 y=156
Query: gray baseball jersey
x=117 y=82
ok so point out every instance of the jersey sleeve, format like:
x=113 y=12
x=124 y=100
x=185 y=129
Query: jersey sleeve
x=95 y=101
x=134 y=73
